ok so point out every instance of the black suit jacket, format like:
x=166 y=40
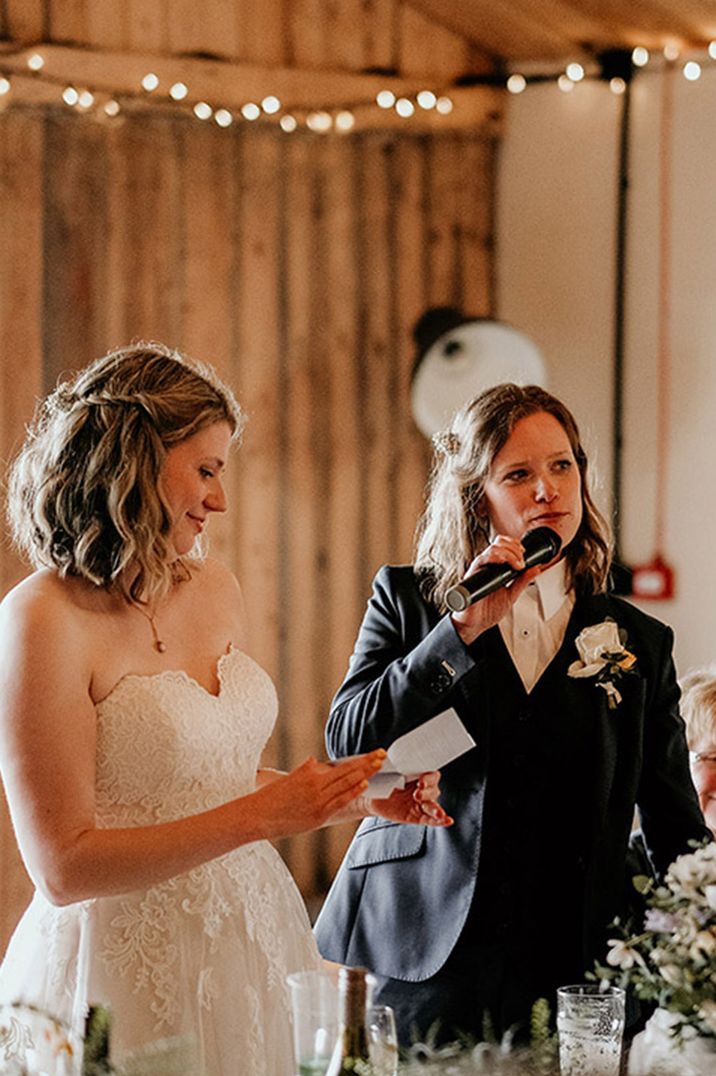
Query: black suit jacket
x=402 y=895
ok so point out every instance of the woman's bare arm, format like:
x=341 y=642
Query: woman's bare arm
x=47 y=753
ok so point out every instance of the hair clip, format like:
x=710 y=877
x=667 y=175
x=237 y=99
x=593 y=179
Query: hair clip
x=446 y=442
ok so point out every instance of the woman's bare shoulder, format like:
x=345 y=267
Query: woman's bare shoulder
x=222 y=594
x=40 y=592
x=46 y=607
x=216 y=578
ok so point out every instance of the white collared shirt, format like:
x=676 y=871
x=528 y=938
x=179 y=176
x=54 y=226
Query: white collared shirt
x=534 y=628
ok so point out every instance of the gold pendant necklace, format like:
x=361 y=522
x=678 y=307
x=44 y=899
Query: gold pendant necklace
x=159 y=644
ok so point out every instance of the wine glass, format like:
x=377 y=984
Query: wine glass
x=383 y=1040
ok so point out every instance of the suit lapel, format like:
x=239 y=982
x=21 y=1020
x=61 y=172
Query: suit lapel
x=589 y=700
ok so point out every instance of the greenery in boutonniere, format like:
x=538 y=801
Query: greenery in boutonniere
x=672 y=960
x=604 y=657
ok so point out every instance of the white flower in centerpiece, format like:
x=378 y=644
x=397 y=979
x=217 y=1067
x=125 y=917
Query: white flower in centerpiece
x=690 y=872
x=707 y=1012
x=672 y=959
x=703 y=945
x=622 y=955
x=672 y=974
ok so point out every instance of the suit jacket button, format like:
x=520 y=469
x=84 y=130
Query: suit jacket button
x=440 y=683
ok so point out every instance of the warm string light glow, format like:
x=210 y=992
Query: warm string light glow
x=105 y=105
x=108 y=106
x=574 y=72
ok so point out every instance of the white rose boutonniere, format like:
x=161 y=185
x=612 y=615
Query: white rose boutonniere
x=603 y=656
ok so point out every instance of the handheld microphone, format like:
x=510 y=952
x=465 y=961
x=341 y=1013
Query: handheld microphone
x=540 y=545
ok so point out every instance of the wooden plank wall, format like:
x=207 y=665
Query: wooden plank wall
x=352 y=35
x=297 y=266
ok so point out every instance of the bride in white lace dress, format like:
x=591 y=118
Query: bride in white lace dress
x=132 y=723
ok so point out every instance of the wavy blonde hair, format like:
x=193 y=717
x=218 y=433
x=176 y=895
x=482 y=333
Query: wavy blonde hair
x=454 y=527
x=84 y=492
x=698 y=705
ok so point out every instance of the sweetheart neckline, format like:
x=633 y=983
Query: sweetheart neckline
x=181 y=674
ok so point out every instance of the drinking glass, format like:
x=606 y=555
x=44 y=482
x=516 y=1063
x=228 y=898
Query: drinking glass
x=316 y=1016
x=590 y=1025
x=383 y=1040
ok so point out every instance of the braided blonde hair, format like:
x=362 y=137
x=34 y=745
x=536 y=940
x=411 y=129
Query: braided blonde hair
x=84 y=492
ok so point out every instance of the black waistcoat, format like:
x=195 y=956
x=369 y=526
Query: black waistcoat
x=529 y=899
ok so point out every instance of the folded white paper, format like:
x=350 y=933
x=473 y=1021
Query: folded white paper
x=428 y=747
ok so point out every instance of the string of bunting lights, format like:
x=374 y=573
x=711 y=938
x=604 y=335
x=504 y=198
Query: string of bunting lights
x=616 y=66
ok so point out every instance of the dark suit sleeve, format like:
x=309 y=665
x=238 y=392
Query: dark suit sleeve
x=402 y=670
x=667 y=801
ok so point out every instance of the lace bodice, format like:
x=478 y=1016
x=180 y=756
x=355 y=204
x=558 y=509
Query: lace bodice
x=167 y=748
x=197 y=962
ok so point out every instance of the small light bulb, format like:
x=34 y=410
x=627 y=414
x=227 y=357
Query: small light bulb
x=223 y=117
x=404 y=107
x=344 y=120
x=85 y=99
x=640 y=56
x=250 y=111
x=712 y=49
x=565 y=83
x=70 y=96
x=270 y=104
x=178 y=91
x=203 y=111
x=36 y=62
x=617 y=85
x=427 y=99
x=319 y=121
x=288 y=123
x=150 y=82
x=112 y=107
x=385 y=99
x=516 y=83
x=4 y=86
x=671 y=52
x=444 y=105
x=575 y=72
x=692 y=71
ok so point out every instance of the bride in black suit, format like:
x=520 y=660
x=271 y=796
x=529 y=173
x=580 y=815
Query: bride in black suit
x=514 y=899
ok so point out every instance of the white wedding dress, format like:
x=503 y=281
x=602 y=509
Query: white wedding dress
x=193 y=969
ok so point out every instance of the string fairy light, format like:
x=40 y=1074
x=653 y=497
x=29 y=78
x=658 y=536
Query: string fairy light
x=385 y=99
x=426 y=99
x=616 y=67
x=517 y=84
